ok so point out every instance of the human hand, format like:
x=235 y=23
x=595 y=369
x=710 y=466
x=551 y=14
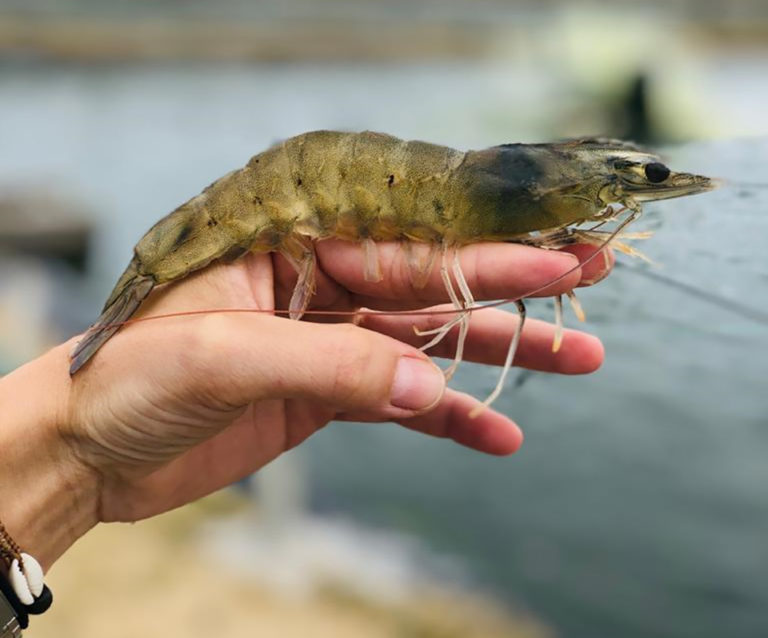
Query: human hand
x=173 y=409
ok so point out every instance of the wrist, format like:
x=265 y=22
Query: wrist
x=47 y=498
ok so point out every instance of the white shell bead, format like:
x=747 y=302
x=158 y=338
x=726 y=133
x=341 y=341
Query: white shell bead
x=33 y=573
x=19 y=584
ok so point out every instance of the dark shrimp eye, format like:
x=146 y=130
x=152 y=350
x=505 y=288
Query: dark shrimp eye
x=656 y=172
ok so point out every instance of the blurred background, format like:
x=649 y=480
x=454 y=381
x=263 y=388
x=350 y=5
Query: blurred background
x=637 y=506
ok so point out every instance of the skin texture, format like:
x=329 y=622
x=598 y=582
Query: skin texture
x=171 y=410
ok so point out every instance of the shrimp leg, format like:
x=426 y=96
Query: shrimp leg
x=461 y=318
x=372 y=268
x=419 y=269
x=576 y=305
x=507 y=363
x=442 y=330
x=301 y=255
x=468 y=301
x=462 y=305
x=558 y=340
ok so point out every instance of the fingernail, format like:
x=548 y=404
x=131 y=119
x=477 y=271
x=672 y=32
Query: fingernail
x=418 y=384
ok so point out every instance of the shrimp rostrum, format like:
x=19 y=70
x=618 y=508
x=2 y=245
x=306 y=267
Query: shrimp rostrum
x=369 y=187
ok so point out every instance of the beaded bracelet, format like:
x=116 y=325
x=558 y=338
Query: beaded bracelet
x=22 y=583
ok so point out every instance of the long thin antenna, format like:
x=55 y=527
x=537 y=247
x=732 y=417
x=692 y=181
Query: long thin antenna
x=722 y=303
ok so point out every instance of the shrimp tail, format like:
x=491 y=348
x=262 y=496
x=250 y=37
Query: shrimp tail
x=127 y=296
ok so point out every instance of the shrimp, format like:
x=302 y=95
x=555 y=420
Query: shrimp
x=369 y=187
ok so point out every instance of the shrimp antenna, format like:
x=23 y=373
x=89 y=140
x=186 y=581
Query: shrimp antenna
x=723 y=303
x=749 y=184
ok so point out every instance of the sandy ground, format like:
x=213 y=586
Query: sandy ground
x=150 y=580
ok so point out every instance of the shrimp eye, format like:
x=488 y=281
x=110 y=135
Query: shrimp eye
x=656 y=172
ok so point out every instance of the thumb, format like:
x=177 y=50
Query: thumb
x=353 y=369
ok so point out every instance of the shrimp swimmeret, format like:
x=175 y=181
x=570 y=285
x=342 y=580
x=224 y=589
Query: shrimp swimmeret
x=369 y=187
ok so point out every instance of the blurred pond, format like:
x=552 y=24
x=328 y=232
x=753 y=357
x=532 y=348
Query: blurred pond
x=638 y=505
